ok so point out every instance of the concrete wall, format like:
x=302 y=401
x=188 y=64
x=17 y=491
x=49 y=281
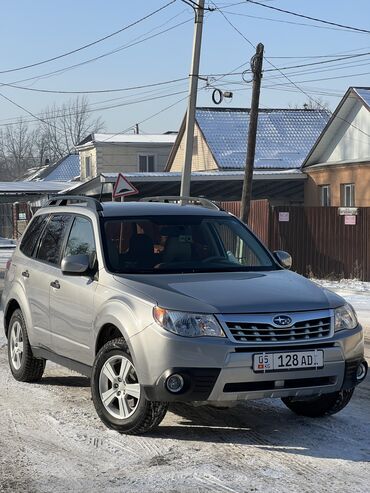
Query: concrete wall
x=202 y=156
x=335 y=176
x=113 y=158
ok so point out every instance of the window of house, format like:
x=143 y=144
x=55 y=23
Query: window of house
x=146 y=162
x=88 y=166
x=195 y=144
x=325 y=195
x=348 y=195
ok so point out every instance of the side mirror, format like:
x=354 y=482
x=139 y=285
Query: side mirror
x=75 y=264
x=284 y=258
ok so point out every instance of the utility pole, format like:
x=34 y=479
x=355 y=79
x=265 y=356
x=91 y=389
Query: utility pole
x=192 y=102
x=256 y=66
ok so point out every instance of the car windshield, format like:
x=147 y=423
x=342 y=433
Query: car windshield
x=180 y=244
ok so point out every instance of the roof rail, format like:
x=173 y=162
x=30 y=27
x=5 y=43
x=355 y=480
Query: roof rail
x=182 y=200
x=79 y=200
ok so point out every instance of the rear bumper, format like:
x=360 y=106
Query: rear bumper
x=220 y=371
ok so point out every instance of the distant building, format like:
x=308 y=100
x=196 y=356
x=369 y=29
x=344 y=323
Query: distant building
x=64 y=170
x=284 y=138
x=127 y=153
x=338 y=165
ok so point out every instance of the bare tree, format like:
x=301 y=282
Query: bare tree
x=17 y=149
x=64 y=126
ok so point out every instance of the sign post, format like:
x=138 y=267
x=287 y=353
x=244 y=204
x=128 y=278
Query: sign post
x=123 y=187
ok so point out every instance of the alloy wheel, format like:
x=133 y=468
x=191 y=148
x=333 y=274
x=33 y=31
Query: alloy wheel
x=119 y=388
x=16 y=345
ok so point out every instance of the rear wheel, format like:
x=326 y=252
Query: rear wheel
x=117 y=393
x=323 y=405
x=23 y=365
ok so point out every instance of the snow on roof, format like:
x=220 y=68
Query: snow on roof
x=284 y=136
x=129 y=139
x=36 y=187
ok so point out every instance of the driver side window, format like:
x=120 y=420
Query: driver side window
x=81 y=239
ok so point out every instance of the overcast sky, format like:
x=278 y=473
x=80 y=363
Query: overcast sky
x=32 y=31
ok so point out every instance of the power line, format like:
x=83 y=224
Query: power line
x=291 y=81
x=97 y=91
x=57 y=57
x=282 y=21
x=116 y=50
x=296 y=14
x=322 y=62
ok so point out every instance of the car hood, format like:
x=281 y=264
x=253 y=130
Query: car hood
x=233 y=292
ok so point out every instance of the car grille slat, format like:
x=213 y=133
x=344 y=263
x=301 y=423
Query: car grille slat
x=302 y=330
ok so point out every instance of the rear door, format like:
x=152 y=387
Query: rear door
x=43 y=270
x=72 y=299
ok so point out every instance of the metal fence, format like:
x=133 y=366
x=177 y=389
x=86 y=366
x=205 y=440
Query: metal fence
x=323 y=243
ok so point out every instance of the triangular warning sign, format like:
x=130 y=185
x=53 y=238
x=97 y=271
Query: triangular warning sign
x=123 y=187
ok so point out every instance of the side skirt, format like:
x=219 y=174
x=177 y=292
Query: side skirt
x=61 y=360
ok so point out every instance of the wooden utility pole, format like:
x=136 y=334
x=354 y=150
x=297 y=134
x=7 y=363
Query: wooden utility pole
x=193 y=88
x=256 y=66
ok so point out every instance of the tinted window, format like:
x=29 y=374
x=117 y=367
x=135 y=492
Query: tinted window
x=52 y=239
x=32 y=234
x=158 y=244
x=81 y=238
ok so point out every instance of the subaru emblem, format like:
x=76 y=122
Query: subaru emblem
x=282 y=320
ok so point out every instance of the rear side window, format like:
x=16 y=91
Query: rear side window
x=52 y=239
x=31 y=236
x=81 y=238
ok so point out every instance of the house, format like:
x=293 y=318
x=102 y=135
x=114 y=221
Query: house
x=111 y=153
x=64 y=170
x=338 y=165
x=284 y=137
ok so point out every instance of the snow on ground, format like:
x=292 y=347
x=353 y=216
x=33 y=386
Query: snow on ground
x=52 y=440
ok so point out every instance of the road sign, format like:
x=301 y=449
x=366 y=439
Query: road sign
x=123 y=187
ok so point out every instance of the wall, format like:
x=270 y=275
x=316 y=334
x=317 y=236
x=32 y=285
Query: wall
x=335 y=175
x=113 y=158
x=202 y=157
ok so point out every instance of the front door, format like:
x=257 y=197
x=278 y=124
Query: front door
x=72 y=299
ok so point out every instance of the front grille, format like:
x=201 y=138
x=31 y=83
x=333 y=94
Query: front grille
x=260 y=329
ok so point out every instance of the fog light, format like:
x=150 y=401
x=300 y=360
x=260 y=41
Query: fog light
x=175 y=383
x=361 y=371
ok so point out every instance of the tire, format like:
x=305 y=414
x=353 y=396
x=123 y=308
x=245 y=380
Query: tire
x=113 y=379
x=23 y=365
x=323 y=405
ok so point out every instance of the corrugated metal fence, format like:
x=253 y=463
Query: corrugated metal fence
x=318 y=239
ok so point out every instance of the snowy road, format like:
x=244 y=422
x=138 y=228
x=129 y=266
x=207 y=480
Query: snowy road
x=52 y=440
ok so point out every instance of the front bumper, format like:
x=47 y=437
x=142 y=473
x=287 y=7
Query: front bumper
x=220 y=370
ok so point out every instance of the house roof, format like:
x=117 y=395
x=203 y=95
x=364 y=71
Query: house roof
x=31 y=187
x=127 y=139
x=352 y=96
x=284 y=136
x=66 y=169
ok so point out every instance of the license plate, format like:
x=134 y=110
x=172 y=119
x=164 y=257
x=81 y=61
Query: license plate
x=288 y=361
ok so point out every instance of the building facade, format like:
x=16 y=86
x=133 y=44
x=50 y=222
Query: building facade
x=338 y=165
x=108 y=153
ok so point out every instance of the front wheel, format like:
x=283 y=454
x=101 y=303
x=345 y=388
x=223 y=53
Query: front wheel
x=117 y=394
x=318 y=406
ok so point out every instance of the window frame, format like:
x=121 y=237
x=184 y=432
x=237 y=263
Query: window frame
x=352 y=196
x=66 y=235
x=88 y=165
x=35 y=246
x=141 y=154
x=328 y=195
x=75 y=216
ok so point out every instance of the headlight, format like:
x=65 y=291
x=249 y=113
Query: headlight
x=187 y=324
x=345 y=318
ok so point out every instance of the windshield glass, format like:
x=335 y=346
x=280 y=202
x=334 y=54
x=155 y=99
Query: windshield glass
x=178 y=244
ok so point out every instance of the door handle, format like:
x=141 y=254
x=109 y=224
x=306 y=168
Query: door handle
x=55 y=284
x=25 y=273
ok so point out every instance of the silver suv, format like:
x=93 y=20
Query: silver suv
x=162 y=302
